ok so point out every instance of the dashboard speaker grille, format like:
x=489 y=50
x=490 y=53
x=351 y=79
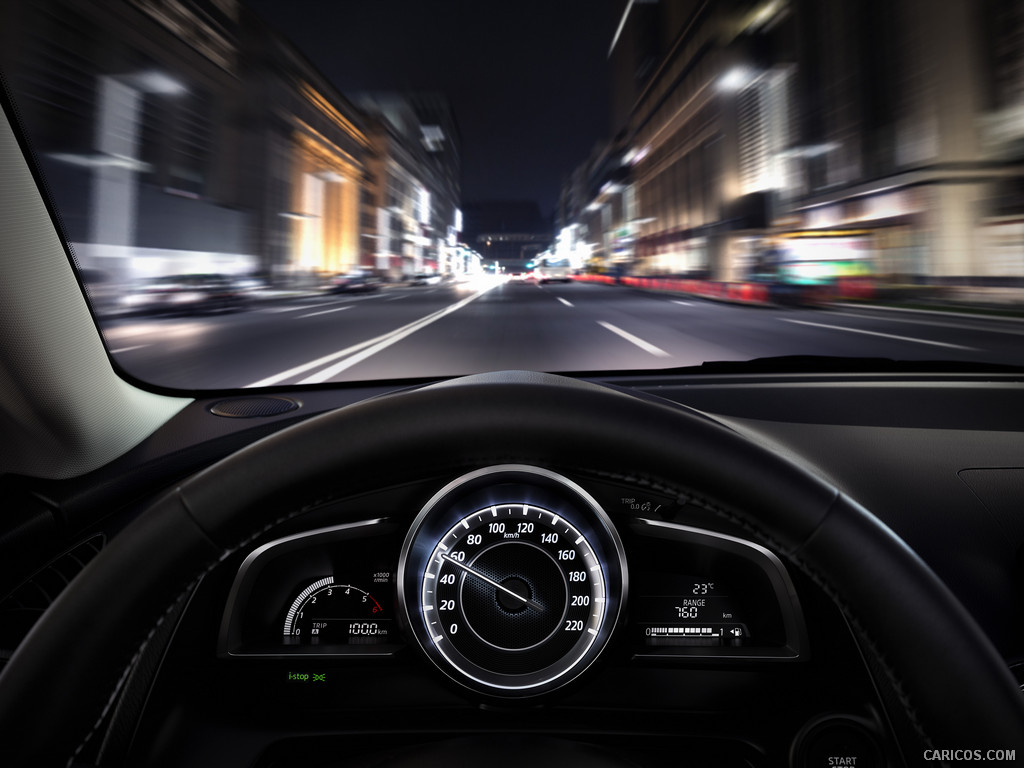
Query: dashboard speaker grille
x=252 y=407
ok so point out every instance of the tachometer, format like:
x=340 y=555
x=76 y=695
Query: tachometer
x=330 y=613
x=512 y=579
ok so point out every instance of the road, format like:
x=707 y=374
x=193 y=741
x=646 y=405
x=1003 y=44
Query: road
x=450 y=329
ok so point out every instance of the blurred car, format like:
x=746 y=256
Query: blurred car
x=425 y=278
x=554 y=269
x=353 y=283
x=103 y=291
x=186 y=294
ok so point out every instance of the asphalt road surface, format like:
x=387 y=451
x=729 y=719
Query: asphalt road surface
x=450 y=329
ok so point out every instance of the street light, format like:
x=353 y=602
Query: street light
x=154 y=81
x=736 y=79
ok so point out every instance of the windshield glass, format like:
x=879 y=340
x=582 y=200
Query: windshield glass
x=266 y=193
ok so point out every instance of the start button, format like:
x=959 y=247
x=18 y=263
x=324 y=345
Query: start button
x=837 y=741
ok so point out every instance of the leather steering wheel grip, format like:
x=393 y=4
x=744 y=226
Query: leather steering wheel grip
x=69 y=669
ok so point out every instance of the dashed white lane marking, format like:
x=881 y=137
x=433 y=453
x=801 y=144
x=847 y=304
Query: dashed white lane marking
x=324 y=312
x=644 y=345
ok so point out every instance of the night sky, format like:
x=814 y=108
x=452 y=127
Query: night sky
x=528 y=79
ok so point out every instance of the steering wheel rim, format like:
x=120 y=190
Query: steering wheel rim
x=952 y=682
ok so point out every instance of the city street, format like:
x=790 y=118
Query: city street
x=453 y=329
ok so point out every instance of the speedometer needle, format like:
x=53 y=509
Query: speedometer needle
x=536 y=606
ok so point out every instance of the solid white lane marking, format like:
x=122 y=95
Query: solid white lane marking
x=877 y=333
x=392 y=338
x=644 y=345
x=933 y=312
x=363 y=349
x=324 y=312
x=912 y=321
x=279 y=377
x=567 y=303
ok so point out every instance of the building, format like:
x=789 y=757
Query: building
x=909 y=139
x=679 y=203
x=811 y=142
x=190 y=137
x=305 y=167
x=415 y=169
x=131 y=109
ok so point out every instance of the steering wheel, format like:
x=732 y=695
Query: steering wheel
x=956 y=689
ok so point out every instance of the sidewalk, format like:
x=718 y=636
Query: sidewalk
x=977 y=300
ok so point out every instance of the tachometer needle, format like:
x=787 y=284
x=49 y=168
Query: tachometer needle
x=535 y=605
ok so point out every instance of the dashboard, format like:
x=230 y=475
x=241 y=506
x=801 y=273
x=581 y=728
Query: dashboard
x=510 y=600
x=512 y=580
x=392 y=611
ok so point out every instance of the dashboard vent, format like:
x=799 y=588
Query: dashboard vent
x=23 y=607
x=252 y=407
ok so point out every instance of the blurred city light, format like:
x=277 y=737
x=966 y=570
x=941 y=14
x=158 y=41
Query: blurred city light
x=156 y=82
x=736 y=79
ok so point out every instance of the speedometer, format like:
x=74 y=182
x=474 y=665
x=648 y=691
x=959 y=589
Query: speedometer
x=512 y=579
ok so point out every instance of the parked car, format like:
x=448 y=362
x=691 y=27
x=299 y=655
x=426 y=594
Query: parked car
x=186 y=294
x=353 y=283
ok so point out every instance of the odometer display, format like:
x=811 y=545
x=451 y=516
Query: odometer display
x=326 y=612
x=512 y=579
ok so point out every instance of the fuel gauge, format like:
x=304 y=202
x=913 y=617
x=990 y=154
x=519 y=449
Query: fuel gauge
x=329 y=613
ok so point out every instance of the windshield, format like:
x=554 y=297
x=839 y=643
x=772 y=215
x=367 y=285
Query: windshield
x=265 y=193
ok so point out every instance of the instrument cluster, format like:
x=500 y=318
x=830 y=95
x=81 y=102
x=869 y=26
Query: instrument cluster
x=512 y=581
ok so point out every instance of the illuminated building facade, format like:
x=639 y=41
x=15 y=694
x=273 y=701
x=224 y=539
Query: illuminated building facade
x=415 y=165
x=309 y=171
x=666 y=190
x=189 y=137
x=132 y=109
x=878 y=139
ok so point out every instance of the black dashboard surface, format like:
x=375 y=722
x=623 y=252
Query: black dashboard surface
x=937 y=459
